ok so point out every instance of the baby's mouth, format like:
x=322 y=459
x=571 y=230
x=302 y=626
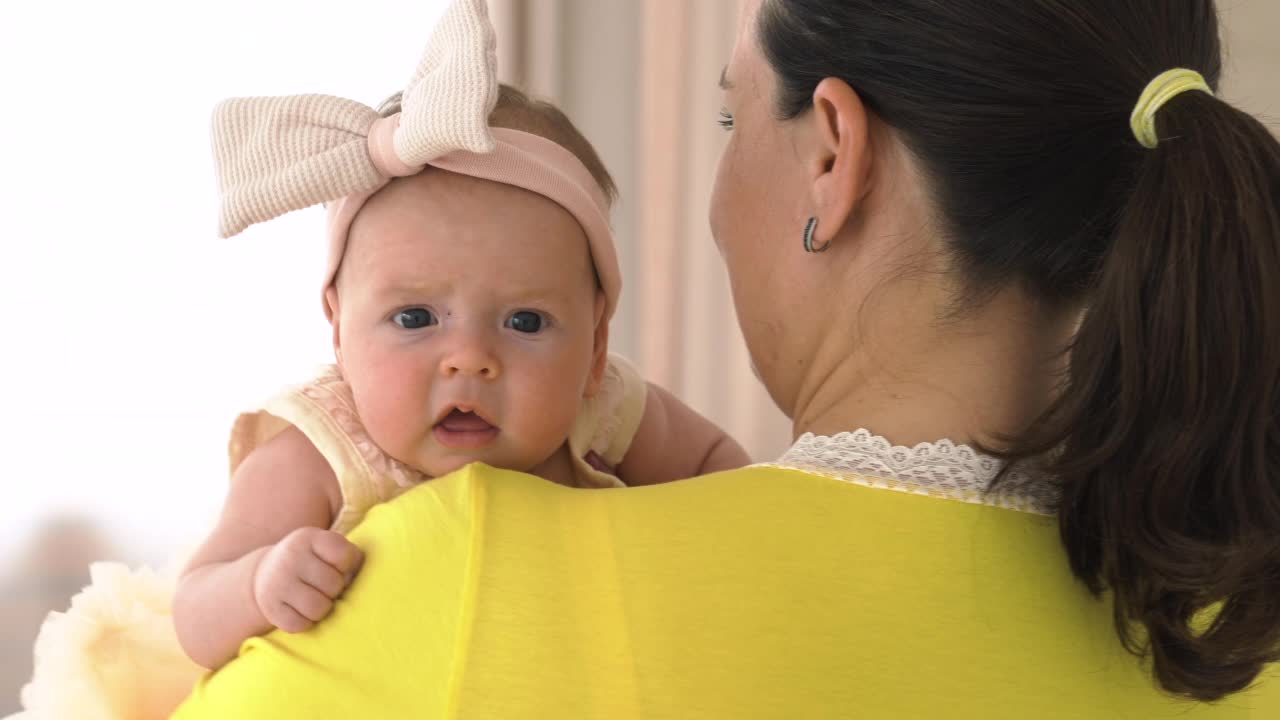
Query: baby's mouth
x=464 y=430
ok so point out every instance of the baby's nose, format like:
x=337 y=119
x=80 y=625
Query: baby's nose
x=470 y=359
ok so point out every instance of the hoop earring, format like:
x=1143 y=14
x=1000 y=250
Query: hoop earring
x=809 y=229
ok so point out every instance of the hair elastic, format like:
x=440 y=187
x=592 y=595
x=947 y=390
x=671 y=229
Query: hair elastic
x=1159 y=92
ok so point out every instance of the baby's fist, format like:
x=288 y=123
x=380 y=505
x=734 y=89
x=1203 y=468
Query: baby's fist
x=298 y=579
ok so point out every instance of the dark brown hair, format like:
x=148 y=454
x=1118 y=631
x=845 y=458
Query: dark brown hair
x=1165 y=438
x=517 y=111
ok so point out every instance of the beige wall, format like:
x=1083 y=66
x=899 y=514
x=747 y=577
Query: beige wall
x=1252 y=37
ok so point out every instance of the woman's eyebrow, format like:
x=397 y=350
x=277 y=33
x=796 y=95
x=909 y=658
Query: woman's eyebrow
x=724 y=79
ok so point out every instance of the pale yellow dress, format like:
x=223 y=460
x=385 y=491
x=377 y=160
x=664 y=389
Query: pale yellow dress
x=114 y=654
x=325 y=411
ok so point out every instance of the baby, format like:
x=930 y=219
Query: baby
x=470 y=299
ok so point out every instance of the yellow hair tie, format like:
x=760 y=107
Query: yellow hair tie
x=1161 y=90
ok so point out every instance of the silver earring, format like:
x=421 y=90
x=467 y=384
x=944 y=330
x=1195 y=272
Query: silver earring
x=809 y=229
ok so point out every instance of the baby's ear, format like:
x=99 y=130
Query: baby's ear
x=600 y=352
x=331 y=299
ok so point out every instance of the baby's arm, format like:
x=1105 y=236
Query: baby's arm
x=270 y=562
x=673 y=443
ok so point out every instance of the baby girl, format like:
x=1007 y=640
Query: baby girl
x=472 y=276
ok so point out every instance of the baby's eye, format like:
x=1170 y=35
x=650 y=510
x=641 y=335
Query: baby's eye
x=526 y=321
x=415 y=318
x=726 y=119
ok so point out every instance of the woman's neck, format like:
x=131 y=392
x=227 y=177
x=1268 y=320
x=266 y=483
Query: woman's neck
x=910 y=377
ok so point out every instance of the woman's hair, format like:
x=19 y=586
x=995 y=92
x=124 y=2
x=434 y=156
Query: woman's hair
x=1165 y=438
x=517 y=111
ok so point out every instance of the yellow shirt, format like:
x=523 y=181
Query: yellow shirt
x=758 y=593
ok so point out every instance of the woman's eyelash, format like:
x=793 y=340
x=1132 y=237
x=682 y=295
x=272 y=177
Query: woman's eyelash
x=726 y=120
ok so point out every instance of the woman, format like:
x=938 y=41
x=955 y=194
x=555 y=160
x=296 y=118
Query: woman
x=922 y=207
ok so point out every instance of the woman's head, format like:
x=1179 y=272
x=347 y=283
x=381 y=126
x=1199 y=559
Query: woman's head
x=468 y=315
x=1006 y=126
x=840 y=168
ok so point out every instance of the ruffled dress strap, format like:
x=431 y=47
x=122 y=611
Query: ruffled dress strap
x=606 y=425
x=324 y=410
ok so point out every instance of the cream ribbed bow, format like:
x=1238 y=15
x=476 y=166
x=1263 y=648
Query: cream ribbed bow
x=278 y=154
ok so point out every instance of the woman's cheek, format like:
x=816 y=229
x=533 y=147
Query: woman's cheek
x=722 y=198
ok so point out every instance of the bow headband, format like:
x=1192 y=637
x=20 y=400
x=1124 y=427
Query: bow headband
x=274 y=155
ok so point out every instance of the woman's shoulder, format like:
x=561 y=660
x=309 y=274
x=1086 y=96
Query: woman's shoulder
x=710 y=589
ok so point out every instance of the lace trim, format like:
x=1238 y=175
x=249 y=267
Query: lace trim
x=942 y=470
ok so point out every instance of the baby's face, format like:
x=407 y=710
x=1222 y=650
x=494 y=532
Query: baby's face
x=468 y=323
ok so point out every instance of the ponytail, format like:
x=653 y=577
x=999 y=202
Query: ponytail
x=1166 y=437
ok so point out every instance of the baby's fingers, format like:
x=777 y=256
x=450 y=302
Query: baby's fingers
x=339 y=552
x=323 y=577
x=280 y=615
x=308 y=602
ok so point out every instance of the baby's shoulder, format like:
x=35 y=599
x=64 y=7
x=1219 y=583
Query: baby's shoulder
x=287 y=465
x=610 y=418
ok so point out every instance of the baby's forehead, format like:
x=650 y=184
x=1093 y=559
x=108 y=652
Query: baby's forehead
x=440 y=223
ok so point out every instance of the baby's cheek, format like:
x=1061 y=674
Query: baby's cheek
x=548 y=414
x=391 y=415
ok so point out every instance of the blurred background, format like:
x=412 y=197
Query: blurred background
x=133 y=336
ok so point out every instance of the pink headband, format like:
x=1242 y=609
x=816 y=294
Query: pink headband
x=519 y=159
x=274 y=155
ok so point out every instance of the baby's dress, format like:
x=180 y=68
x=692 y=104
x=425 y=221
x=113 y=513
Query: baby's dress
x=114 y=655
x=324 y=410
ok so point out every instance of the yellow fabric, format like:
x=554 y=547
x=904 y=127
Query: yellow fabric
x=757 y=593
x=1167 y=86
x=324 y=410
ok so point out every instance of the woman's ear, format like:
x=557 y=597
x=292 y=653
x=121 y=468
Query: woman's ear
x=600 y=352
x=331 y=297
x=841 y=160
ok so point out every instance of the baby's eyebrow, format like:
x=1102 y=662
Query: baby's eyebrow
x=509 y=295
x=534 y=295
x=404 y=288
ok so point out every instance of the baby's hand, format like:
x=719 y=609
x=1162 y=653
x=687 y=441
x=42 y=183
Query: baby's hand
x=298 y=579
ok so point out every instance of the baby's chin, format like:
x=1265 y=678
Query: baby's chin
x=434 y=466
x=439 y=465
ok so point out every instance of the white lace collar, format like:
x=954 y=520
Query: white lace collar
x=942 y=469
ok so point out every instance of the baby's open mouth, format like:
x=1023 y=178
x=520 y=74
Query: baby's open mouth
x=464 y=430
